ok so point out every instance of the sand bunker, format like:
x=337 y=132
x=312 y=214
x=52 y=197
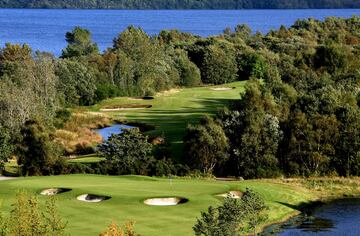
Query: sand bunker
x=54 y=191
x=168 y=201
x=232 y=194
x=92 y=198
x=221 y=89
x=125 y=107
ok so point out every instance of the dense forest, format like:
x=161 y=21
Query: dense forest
x=180 y=4
x=299 y=114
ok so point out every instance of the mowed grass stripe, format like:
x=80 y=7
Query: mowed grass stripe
x=129 y=192
x=172 y=111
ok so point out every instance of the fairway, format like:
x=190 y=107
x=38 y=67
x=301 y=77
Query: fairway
x=171 y=111
x=128 y=193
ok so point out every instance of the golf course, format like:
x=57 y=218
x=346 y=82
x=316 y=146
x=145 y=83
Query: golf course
x=171 y=111
x=129 y=192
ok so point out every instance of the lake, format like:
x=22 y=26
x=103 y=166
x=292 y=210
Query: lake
x=45 y=29
x=340 y=217
x=115 y=129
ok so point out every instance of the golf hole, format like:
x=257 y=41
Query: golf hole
x=54 y=191
x=92 y=198
x=166 y=201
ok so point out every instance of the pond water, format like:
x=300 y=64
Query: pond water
x=115 y=129
x=44 y=29
x=341 y=217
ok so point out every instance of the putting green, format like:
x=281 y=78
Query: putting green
x=172 y=111
x=129 y=192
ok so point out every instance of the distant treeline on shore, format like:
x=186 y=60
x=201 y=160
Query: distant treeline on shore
x=181 y=4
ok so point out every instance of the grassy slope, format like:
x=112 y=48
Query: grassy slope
x=128 y=193
x=171 y=112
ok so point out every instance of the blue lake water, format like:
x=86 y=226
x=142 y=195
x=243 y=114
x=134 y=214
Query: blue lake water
x=339 y=218
x=115 y=129
x=45 y=29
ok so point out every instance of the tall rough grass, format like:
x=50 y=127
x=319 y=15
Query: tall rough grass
x=77 y=136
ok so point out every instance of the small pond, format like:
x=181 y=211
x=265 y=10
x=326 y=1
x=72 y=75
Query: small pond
x=115 y=129
x=341 y=217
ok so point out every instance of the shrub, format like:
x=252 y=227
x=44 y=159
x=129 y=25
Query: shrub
x=28 y=217
x=115 y=230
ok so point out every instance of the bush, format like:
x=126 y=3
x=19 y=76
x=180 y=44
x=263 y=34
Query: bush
x=128 y=153
x=234 y=217
x=29 y=218
x=36 y=150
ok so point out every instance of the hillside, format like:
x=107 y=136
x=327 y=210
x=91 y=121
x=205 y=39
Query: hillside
x=180 y=4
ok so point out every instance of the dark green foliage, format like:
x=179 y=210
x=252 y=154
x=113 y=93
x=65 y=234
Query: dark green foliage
x=128 y=153
x=206 y=145
x=77 y=82
x=37 y=154
x=61 y=117
x=234 y=217
x=6 y=145
x=170 y=4
x=299 y=115
x=331 y=58
x=79 y=44
x=219 y=65
x=254 y=134
x=189 y=72
x=251 y=65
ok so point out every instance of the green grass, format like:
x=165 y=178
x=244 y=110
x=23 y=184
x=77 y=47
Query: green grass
x=129 y=192
x=171 y=112
x=86 y=159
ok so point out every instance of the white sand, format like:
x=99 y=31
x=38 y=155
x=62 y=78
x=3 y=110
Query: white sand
x=232 y=194
x=170 y=201
x=50 y=191
x=221 y=89
x=90 y=198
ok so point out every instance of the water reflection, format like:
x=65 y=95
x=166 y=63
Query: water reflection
x=340 y=217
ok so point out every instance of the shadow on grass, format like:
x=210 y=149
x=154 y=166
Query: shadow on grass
x=172 y=122
x=304 y=207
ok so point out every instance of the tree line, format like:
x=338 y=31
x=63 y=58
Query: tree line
x=180 y=4
x=298 y=116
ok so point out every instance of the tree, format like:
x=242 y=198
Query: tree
x=233 y=217
x=206 y=145
x=189 y=73
x=312 y=142
x=79 y=44
x=6 y=146
x=55 y=225
x=77 y=82
x=253 y=206
x=37 y=153
x=332 y=58
x=143 y=62
x=27 y=217
x=128 y=153
x=251 y=64
x=254 y=133
x=219 y=65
